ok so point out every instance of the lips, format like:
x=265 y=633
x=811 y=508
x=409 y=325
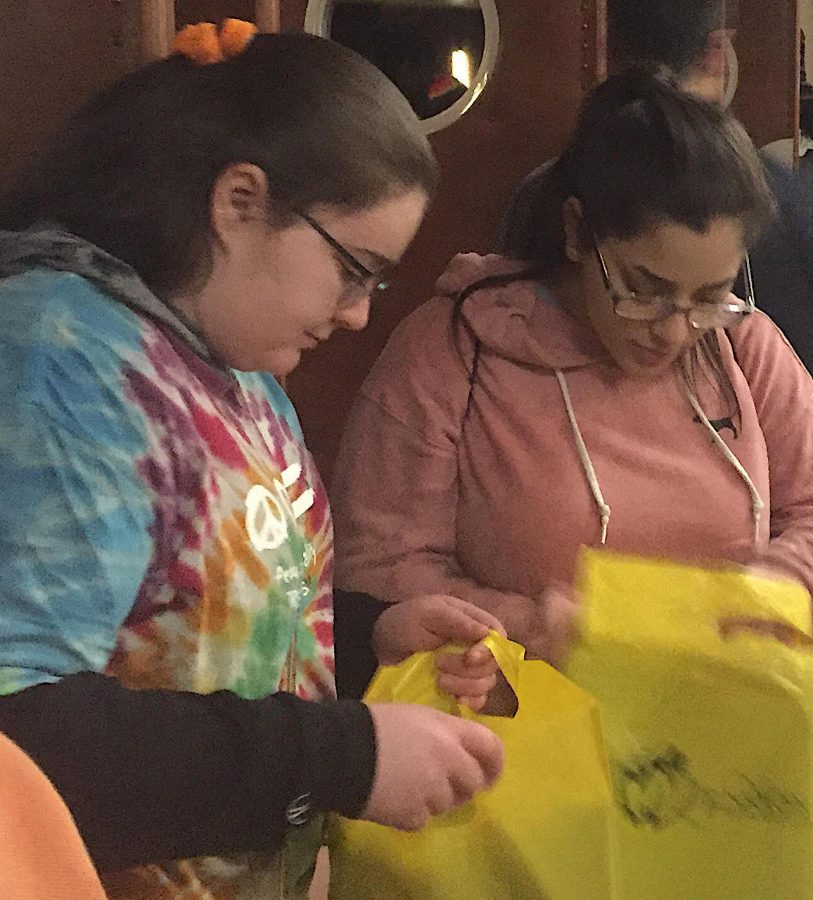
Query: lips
x=313 y=340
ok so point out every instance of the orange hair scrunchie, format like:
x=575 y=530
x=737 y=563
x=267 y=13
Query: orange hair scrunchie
x=205 y=43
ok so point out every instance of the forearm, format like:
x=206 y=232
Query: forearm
x=156 y=775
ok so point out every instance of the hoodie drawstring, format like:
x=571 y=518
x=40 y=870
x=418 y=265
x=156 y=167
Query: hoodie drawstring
x=587 y=464
x=757 y=503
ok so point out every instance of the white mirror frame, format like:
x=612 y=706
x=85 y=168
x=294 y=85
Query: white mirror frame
x=317 y=21
x=733 y=65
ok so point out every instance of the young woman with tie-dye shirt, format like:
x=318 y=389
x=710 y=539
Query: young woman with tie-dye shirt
x=166 y=614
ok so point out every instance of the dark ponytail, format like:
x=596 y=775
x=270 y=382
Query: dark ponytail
x=643 y=152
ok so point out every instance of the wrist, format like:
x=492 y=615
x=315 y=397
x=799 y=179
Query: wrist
x=338 y=755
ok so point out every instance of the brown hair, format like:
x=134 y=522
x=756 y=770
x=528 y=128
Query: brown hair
x=134 y=169
x=643 y=152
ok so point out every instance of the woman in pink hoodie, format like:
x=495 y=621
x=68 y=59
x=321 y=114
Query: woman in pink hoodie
x=599 y=384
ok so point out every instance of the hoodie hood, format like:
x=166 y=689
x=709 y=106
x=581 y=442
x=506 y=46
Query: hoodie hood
x=519 y=321
x=48 y=247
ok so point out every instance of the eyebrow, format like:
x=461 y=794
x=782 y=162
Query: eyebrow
x=665 y=282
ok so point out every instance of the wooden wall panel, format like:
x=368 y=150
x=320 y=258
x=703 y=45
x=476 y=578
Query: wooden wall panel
x=265 y=13
x=188 y=12
x=53 y=55
x=767 y=45
x=549 y=53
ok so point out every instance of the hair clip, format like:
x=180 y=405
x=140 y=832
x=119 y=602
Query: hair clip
x=205 y=43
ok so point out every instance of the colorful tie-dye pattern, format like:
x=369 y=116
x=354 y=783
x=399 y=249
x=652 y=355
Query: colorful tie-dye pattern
x=162 y=523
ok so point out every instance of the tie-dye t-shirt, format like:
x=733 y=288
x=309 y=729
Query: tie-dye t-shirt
x=161 y=523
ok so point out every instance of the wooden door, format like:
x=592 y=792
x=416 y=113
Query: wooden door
x=767 y=46
x=549 y=54
x=53 y=55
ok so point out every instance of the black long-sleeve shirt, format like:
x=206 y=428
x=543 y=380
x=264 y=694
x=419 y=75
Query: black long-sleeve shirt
x=153 y=775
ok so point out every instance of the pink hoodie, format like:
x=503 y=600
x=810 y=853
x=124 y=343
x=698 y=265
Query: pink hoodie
x=493 y=504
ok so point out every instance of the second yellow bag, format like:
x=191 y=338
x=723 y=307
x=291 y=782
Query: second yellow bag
x=710 y=738
x=541 y=833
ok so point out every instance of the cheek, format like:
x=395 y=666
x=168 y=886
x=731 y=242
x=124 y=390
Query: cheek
x=308 y=295
x=297 y=301
x=611 y=330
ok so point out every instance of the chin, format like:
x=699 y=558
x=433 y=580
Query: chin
x=281 y=363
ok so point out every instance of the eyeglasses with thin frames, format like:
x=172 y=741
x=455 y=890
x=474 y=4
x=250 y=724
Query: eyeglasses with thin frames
x=364 y=280
x=655 y=308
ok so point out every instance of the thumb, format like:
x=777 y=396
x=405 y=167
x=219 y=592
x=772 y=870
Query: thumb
x=453 y=619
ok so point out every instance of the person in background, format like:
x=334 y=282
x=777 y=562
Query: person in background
x=597 y=384
x=783 y=259
x=166 y=549
x=675 y=39
x=407 y=54
x=684 y=40
x=687 y=41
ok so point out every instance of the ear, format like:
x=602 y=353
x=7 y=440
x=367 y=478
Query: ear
x=575 y=232
x=239 y=202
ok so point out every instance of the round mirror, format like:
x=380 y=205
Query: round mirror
x=439 y=53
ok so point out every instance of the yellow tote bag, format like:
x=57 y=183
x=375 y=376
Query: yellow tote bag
x=541 y=833
x=710 y=739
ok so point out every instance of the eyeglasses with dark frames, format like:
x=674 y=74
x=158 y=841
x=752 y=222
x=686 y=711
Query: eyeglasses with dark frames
x=655 y=308
x=365 y=280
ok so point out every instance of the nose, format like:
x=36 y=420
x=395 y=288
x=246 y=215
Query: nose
x=674 y=330
x=356 y=316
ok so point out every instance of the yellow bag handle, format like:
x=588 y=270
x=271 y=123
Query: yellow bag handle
x=413 y=680
x=538 y=687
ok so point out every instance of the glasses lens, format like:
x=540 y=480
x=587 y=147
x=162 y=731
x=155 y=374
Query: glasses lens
x=642 y=308
x=719 y=315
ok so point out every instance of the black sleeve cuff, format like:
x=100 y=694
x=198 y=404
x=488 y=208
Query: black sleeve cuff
x=338 y=749
x=355 y=616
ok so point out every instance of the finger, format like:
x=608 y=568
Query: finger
x=471 y=612
x=562 y=625
x=441 y=799
x=480 y=656
x=485 y=747
x=451 y=623
x=475 y=704
x=466 y=687
x=480 y=615
x=458 y=664
x=453 y=663
x=466 y=780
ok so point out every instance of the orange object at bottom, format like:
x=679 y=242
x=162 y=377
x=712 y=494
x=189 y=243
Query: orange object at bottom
x=42 y=856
